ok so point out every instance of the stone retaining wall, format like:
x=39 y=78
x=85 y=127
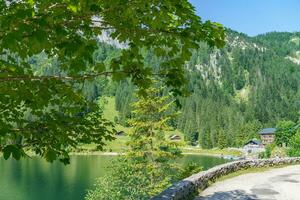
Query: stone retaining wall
x=188 y=188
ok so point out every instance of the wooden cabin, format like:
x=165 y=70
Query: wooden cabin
x=175 y=137
x=267 y=135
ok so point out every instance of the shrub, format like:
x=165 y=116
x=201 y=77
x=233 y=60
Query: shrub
x=268 y=151
x=294 y=149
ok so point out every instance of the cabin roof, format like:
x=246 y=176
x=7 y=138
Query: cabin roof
x=254 y=141
x=267 y=131
x=175 y=137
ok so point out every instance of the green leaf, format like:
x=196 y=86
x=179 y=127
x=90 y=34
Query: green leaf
x=100 y=67
x=16 y=154
x=66 y=161
x=50 y=155
x=11 y=150
x=6 y=153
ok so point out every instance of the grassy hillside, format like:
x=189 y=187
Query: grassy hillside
x=119 y=144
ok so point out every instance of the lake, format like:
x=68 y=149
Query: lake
x=35 y=179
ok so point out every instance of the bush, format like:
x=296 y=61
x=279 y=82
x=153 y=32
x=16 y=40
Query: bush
x=268 y=152
x=129 y=180
x=188 y=170
x=285 y=130
x=294 y=149
x=261 y=155
x=123 y=182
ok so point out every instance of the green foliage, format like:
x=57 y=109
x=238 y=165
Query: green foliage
x=285 y=130
x=248 y=131
x=148 y=144
x=234 y=91
x=47 y=105
x=284 y=43
x=188 y=170
x=194 y=138
x=240 y=89
x=124 y=98
x=125 y=182
x=12 y=150
x=128 y=181
x=268 y=151
x=67 y=30
x=294 y=149
x=148 y=167
x=222 y=140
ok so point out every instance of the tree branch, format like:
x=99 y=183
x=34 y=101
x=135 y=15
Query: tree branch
x=64 y=78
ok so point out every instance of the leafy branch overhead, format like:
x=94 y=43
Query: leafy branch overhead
x=46 y=112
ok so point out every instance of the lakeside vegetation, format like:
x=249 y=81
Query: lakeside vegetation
x=119 y=146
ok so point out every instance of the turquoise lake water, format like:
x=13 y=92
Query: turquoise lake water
x=36 y=179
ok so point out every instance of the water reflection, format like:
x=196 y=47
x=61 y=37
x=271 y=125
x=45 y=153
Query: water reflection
x=35 y=179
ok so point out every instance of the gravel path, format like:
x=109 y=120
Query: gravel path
x=276 y=184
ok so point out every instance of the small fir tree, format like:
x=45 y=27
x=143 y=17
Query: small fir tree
x=148 y=167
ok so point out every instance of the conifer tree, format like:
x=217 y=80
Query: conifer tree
x=149 y=147
x=146 y=169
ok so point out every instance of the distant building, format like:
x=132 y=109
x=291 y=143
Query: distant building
x=175 y=137
x=267 y=135
x=253 y=146
x=120 y=133
x=253 y=143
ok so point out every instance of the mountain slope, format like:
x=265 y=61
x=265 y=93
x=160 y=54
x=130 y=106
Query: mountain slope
x=252 y=82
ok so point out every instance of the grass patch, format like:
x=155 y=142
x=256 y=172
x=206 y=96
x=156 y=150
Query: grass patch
x=109 y=108
x=117 y=145
x=232 y=152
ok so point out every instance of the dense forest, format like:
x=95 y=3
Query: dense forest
x=252 y=82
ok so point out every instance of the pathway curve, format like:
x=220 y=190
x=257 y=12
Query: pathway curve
x=276 y=184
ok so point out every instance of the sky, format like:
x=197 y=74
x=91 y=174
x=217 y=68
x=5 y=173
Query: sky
x=252 y=17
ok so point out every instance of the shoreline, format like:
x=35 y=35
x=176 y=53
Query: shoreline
x=96 y=153
x=99 y=153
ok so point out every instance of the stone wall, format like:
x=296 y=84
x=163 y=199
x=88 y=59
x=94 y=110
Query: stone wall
x=188 y=188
